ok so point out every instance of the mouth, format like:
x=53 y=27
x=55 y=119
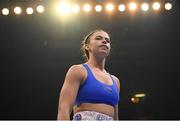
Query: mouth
x=104 y=46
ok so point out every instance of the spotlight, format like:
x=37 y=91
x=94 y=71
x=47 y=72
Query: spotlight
x=75 y=8
x=87 y=7
x=29 y=11
x=156 y=5
x=140 y=95
x=145 y=7
x=5 y=11
x=135 y=100
x=133 y=6
x=121 y=7
x=64 y=8
x=168 y=6
x=109 y=7
x=17 y=10
x=40 y=8
x=98 y=8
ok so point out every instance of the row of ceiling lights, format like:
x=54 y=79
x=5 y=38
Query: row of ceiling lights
x=64 y=8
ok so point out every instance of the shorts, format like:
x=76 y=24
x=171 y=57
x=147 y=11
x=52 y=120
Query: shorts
x=91 y=115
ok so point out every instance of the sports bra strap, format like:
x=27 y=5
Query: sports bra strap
x=88 y=69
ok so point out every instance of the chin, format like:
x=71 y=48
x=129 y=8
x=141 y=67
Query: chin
x=105 y=54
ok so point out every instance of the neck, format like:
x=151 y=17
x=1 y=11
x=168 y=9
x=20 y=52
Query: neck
x=96 y=62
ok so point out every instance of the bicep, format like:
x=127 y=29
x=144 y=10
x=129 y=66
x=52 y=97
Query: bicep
x=70 y=88
x=68 y=94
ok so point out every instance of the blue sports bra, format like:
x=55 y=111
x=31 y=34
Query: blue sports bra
x=94 y=91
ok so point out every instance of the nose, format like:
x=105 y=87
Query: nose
x=104 y=41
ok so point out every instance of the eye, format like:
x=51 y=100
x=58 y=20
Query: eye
x=98 y=38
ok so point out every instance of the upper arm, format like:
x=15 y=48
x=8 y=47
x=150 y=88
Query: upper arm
x=70 y=87
x=116 y=116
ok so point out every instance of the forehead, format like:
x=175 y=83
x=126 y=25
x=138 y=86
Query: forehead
x=100 y=33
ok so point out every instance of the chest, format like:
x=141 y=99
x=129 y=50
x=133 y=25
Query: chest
x=102 y=77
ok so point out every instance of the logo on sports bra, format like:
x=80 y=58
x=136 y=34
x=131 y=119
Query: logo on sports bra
x=108 y=89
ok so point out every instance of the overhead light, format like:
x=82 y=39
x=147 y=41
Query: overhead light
x=5 y=11
x=17 y=10
x=156 y=6
x=40 y=8
x=132 y=6
x=145 y=7
x=29 y=11
x=168 y=6
x=87 y=7
x=140 y=95
x=121 y=7
x=109 y=7
x=98 y=8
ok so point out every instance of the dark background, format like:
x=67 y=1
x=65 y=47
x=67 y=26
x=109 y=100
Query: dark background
x=36 y=51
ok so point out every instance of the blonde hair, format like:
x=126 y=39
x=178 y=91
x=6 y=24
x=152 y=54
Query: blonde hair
x=86 y=41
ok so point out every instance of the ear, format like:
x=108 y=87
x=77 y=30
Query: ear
x=86 y=47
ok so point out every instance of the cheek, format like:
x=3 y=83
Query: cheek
x=109 y=46
x=91 y=47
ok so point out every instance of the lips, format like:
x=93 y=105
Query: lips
x=104 y=46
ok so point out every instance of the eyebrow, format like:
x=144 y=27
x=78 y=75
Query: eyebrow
x=103 y=37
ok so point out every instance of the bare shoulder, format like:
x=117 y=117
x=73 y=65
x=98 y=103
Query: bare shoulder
x=117 y=81
x=77 y=68
x=77 y=71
